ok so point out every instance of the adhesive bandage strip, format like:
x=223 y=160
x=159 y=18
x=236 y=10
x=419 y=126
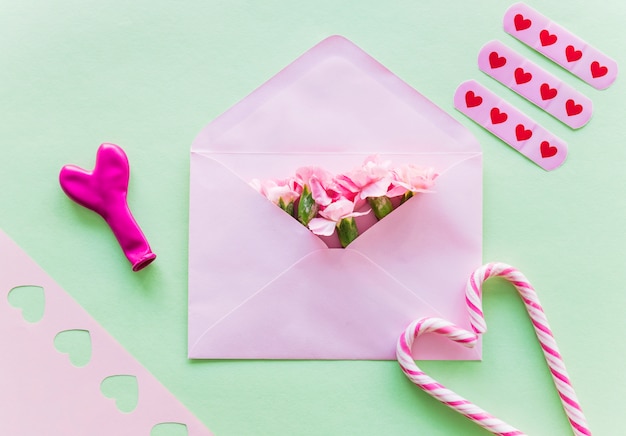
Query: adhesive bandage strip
x=560 y=45
x=535 y=84
x=509 y=124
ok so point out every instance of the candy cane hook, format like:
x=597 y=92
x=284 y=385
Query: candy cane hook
x=473 y=294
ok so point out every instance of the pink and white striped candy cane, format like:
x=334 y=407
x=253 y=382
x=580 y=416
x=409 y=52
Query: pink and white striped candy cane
x=437 y=390
x=473 y=295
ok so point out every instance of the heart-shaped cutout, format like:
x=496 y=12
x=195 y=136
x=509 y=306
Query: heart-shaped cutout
x=473 y=295
x=123 y=389
x=30 y=299
x=169 y=429
x=76 y=344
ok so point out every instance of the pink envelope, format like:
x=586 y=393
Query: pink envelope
x=262 y=286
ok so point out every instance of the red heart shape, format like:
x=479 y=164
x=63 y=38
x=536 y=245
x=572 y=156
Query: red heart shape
x=547 y=150
x=547 y=93
x=572 y=54
x=521 y=76
x=547 y=38
x=521 y=23
x=598 y=70
x=495 y=60
x=472 y=100
x=572 y=108
x=522 y=133
x=498 y=117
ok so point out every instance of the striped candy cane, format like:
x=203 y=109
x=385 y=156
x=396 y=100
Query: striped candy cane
x=474 y=301
x=437 y=390
x=473 y=296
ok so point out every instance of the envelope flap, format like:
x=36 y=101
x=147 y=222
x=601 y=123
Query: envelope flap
x=292 y=319
x=335 y=98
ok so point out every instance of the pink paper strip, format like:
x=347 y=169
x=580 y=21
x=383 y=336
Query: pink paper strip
x=560 y=45
x=42 y=393
x=509 y=124
x=535 y=84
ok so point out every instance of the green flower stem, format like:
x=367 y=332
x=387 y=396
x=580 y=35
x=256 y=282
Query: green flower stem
x=347 y=231
x=406 y=196
x=286 y=207
x=381 y=206
x=307 y=207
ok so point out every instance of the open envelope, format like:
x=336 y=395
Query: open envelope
x=262 y=286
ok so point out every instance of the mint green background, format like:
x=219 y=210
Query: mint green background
x=148 y=75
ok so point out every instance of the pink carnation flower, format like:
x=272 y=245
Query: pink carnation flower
x=275 y=190
x=372 y=179
x=324 y=189
x=332 y=215
x=411 y=178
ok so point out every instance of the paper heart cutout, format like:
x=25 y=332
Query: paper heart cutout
x=123 y=389
x=104 y=190
x=522 y=76
x=472 y=100
x=473 y=297
x=76 y=344
x=30 y=299
x=521 y=23
x=547 y=93
x=571 y=54
x=169 y=429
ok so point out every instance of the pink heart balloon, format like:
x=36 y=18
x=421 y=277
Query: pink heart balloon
x=104 y=190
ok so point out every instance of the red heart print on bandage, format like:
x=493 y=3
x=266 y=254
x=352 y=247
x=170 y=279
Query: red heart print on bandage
x=547 y=38
x=536 y=85
x=572 y=54
x=547 y=150
x=521 y=133
x=572 y=108
x=472 y=100
x=497 y=117
x=522 y=76
x=473 y=298
x=547 y=93
x=495 y=60
x=560 y=45
x=598 y=70
x=521 y=23
x=510 y=125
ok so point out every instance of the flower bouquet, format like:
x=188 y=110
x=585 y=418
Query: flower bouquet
x=326 y=203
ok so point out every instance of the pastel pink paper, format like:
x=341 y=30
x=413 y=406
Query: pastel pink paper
x=256 y=273
x=531 y=90
x=557 y=51
x=43 y=393
x=531 y=147
x=104 y=191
